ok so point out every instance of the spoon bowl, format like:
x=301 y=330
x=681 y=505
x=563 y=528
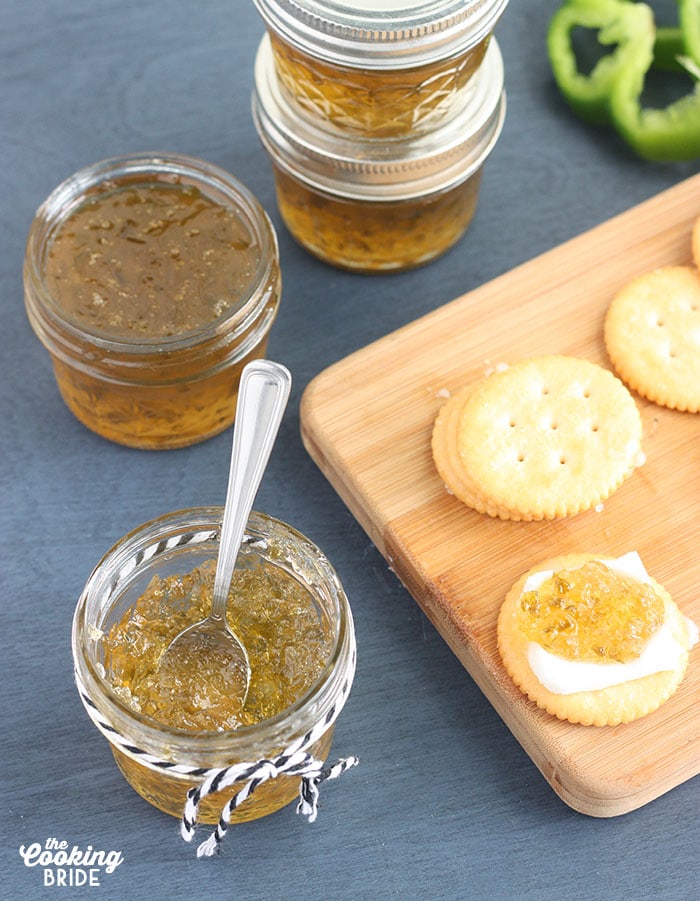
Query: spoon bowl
x=208 y=655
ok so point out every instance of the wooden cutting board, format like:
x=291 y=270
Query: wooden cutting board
x=367 y=423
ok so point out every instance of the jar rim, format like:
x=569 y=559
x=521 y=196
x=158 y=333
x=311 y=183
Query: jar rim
x=146 y=732
x=168 y=167
x=382 y=34
x=368 y=168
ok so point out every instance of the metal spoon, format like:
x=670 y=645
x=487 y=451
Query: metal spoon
x=209 y=648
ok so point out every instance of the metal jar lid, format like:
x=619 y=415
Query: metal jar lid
x=382 y=34
x=388 y=168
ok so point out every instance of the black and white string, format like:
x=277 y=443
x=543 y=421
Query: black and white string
x=295 y=761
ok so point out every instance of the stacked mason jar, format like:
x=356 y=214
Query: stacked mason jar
x=378 y=116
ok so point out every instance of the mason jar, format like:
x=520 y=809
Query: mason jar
x=378 y=68
x=151 y=280
x=377 y=205
x=161 y=762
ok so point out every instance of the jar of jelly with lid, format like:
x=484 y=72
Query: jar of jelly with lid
x=289 y=609
x=379 y=205
x=378 y=67
x=151 y=280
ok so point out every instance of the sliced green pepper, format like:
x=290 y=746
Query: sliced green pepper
x=662 y=135
x=628 y=26
x=669 y=48
x=612 y=92
x=681 y=41
x=689 y=21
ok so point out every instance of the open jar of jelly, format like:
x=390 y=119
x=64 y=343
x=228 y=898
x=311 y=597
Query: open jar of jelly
x=289 y=609
x=378 y=67
x=375 y=205
x=152 y=280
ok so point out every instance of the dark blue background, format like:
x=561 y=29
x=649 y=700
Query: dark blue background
x=445 y=803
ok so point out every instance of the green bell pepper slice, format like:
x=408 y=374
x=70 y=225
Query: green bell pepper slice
x=626 y=26
x=669 y=48
x=611 y=93
x=689 y=21
x=674 y=43
x=666 y=135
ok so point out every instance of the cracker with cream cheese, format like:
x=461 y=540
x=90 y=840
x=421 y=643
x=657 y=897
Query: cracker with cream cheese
x=606 y=706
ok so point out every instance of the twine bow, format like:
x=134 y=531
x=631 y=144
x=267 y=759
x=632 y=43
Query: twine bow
x=299 y=763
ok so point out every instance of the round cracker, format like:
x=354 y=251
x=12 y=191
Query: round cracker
x=446 y=456
x=607 y=706
x=547 y=437
x=652 y=335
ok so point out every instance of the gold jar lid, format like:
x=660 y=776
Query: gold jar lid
x=382 y=34
x=366 y=168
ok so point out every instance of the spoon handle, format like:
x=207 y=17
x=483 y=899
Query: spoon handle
x=262 y=398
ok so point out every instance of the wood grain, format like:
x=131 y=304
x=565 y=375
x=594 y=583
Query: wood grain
x=367 y=422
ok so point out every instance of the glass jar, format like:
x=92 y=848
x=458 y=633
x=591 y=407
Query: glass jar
x=379 y=205
x=378 y=67
x=157 y=760
x=149 y=323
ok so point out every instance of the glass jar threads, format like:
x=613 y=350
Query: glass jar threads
x=378 y=67
x=375 y=204
x=152 y=280
x=153 y=566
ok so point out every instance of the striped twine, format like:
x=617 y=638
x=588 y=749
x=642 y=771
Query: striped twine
x=294 y=761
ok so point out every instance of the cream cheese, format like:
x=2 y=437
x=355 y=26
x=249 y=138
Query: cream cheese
x=562 y=676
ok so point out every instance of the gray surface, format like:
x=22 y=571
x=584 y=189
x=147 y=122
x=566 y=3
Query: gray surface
x=445 y=803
